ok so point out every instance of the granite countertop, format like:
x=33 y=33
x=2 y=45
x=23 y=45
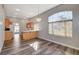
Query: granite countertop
x=29 y=30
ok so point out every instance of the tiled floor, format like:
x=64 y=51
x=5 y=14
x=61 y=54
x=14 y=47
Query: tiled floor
x=35 y=47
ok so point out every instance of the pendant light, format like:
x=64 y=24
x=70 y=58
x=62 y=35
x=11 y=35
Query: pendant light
x=38 y=19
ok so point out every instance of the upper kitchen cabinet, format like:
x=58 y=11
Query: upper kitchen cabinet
x=7 y=22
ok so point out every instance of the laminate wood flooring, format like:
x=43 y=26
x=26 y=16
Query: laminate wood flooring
x=35 y=47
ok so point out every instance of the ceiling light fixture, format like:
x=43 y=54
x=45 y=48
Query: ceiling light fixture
x=38 y=19
x=28 y=16
x=17 y=9
x=14 y=16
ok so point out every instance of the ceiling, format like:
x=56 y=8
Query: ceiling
x=26 y=10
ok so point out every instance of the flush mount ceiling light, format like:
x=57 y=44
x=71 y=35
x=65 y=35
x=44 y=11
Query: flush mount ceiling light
x=38 y=19
x=26 y=17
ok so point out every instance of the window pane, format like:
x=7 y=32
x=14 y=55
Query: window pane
x=50 y=28
x=69 y=29
x=59 y=28
x=64 y=15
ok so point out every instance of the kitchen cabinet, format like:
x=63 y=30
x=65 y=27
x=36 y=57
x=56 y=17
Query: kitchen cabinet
x=7 y=22
x=8 y=35
x=29 y=35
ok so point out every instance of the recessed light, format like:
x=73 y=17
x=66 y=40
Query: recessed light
x=14 y=16
x=17 y=9
x=27 y=16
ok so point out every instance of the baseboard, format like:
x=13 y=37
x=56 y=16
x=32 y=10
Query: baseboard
x=62 y=44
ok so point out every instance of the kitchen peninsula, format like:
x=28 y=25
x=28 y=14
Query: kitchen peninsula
x=27 y=35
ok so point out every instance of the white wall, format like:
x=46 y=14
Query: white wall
x=1 y=27
x=70 y=42
x=21 y=22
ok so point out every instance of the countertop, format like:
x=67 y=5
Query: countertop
x=29 y=30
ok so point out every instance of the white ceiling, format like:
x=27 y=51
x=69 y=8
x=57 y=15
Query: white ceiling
x=26 y=10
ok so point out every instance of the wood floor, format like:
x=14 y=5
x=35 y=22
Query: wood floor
x=35 y=47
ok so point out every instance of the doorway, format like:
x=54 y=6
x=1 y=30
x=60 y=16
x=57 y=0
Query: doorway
x=16 y=34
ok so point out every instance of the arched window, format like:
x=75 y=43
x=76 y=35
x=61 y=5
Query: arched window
x=61 y=23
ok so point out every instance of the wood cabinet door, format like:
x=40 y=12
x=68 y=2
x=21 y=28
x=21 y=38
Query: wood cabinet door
x=8 y=35
x=7 y=22
x=26 y=35
x=29 y=35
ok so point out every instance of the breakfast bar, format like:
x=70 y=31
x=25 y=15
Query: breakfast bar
x=28 y=35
